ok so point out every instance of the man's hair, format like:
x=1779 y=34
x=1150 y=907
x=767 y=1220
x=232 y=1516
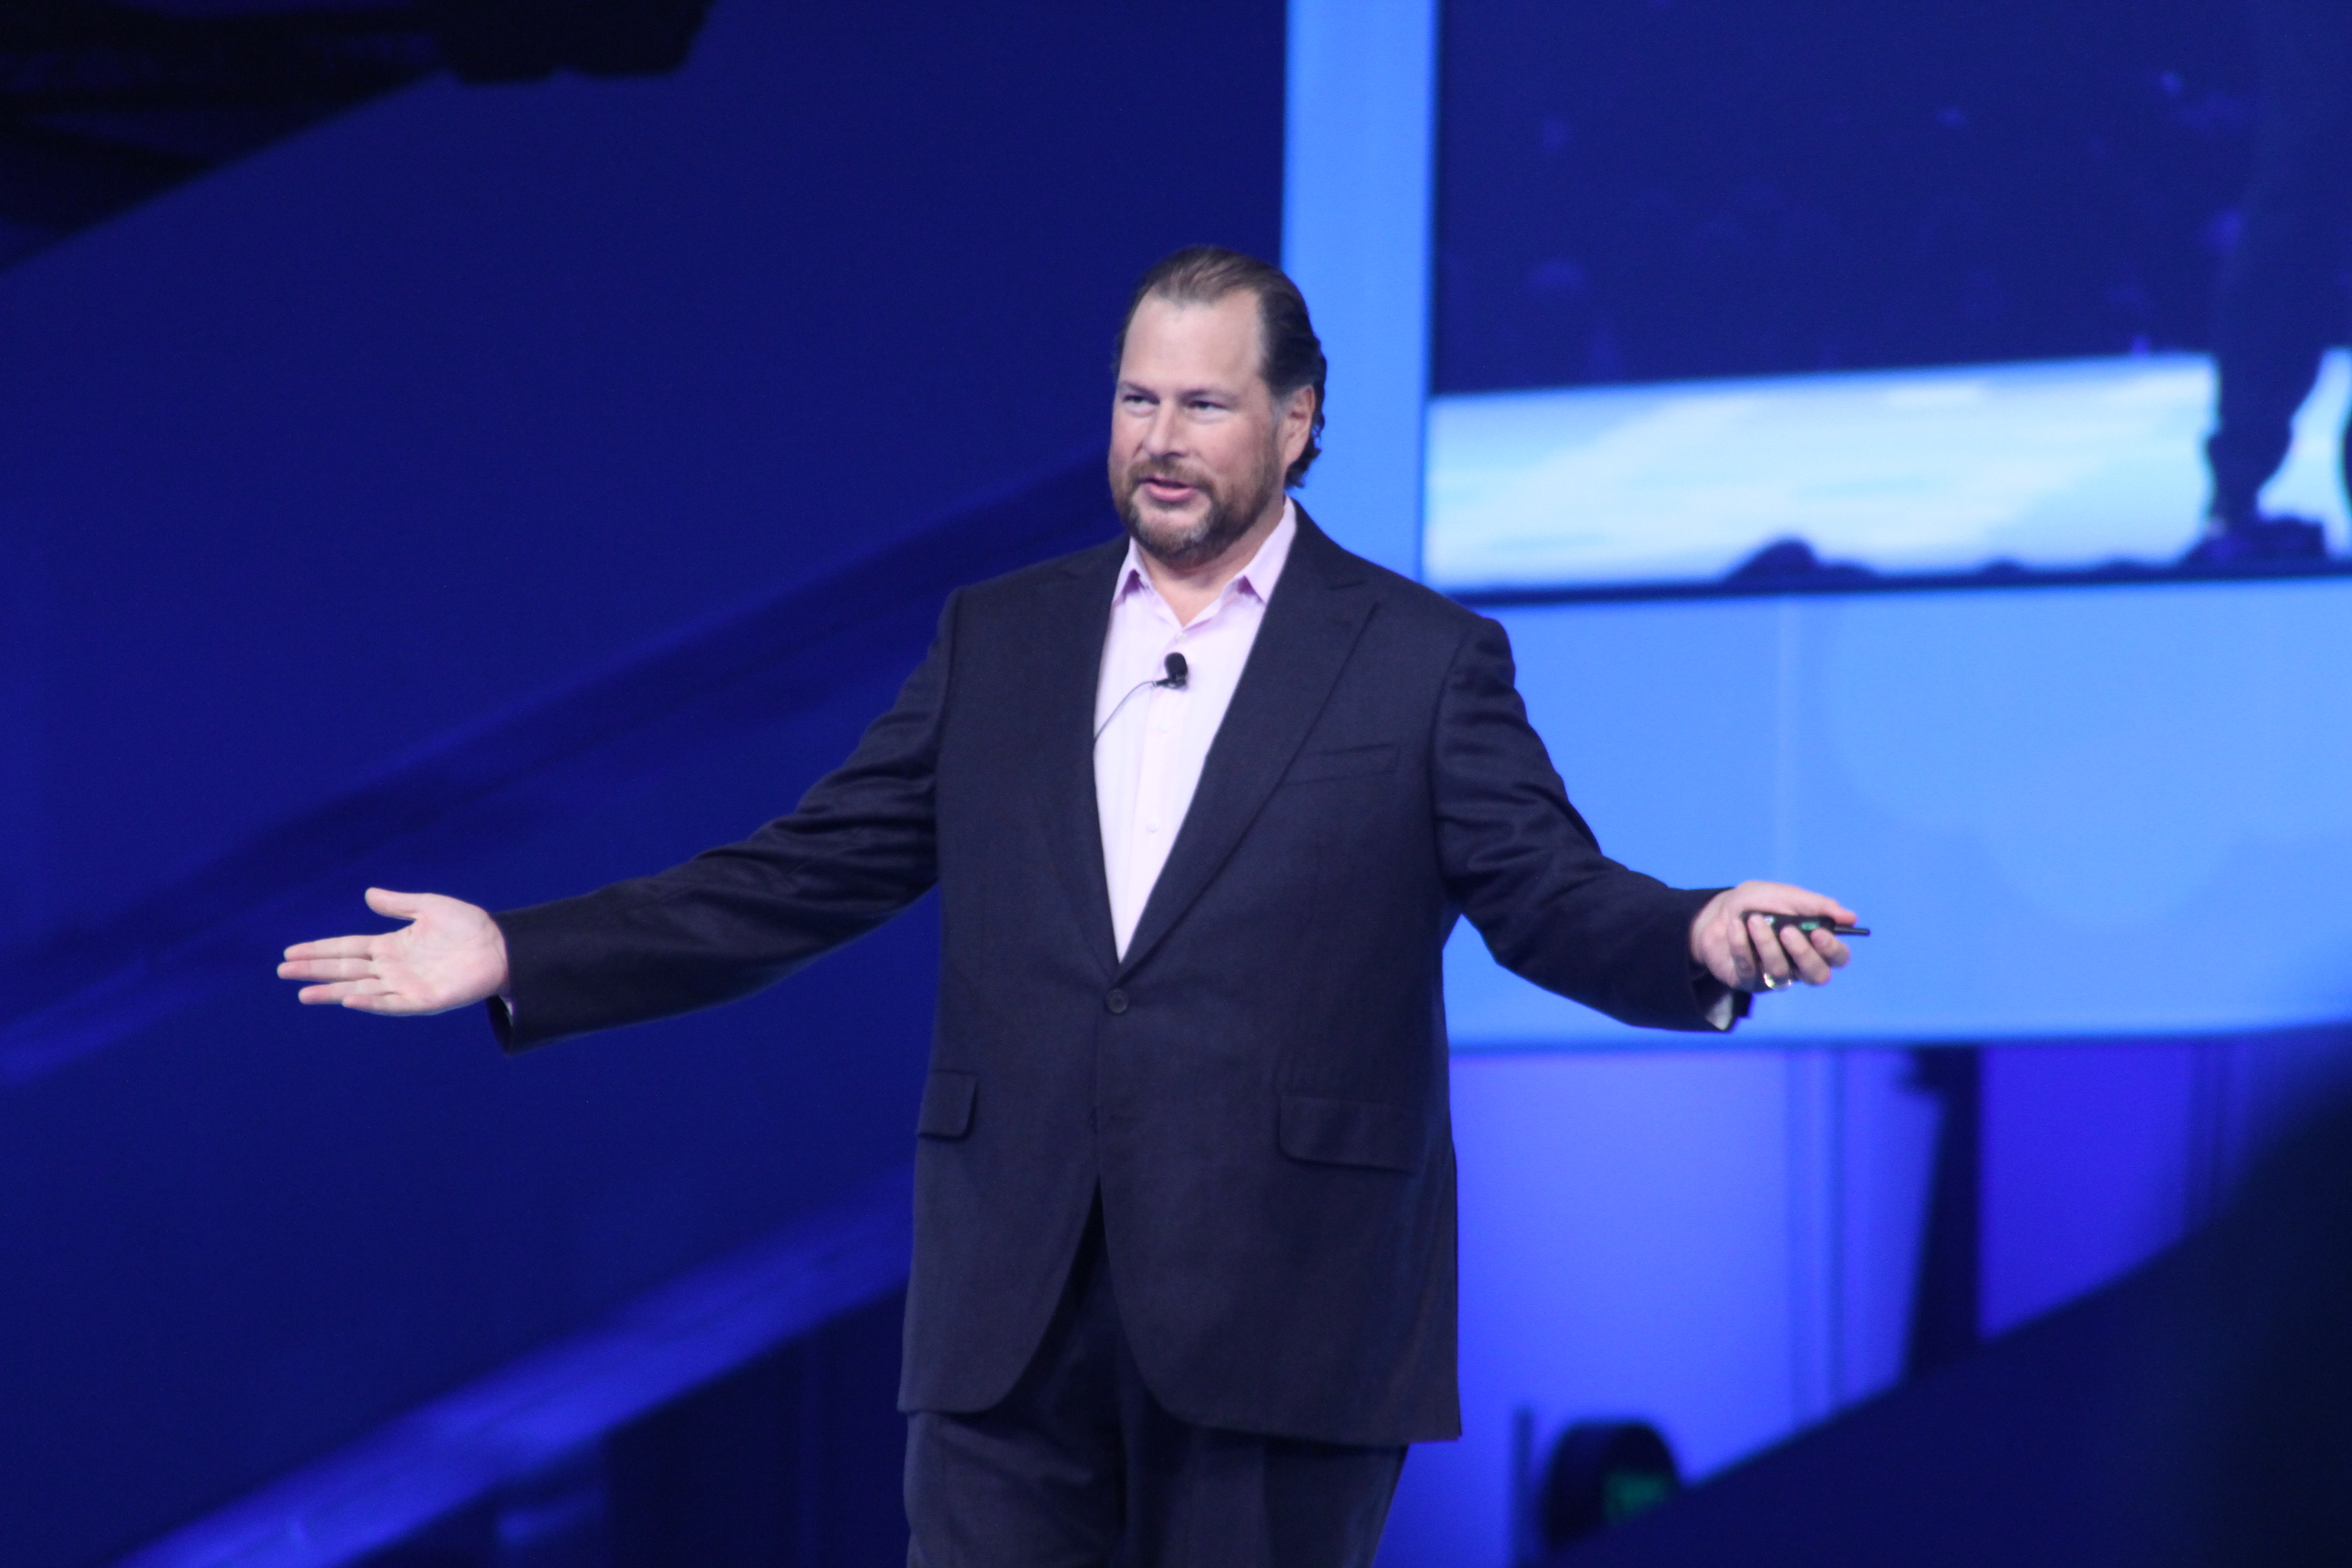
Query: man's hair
x=1204 y=274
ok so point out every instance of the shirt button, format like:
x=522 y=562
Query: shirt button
x=1116 y=1001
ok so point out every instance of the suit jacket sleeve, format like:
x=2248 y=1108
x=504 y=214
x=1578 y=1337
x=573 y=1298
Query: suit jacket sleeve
x=1530 y=877
x=860 y=846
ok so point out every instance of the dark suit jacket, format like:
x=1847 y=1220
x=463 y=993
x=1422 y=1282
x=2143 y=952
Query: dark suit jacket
x=1258 y=1089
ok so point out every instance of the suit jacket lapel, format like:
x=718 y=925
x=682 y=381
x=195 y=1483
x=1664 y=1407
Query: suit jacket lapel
x=1319 y=607
x=1068 y=661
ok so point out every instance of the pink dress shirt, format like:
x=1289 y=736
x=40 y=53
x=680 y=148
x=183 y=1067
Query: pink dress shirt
x=1148 y=763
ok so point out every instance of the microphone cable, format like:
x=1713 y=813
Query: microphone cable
x=1179 y=672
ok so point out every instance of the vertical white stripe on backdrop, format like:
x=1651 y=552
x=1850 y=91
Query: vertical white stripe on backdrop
x=1358 y=199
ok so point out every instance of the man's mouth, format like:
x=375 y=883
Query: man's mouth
x=1165 y=490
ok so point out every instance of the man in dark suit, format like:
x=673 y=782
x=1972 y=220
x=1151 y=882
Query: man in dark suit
x=1183 y=1279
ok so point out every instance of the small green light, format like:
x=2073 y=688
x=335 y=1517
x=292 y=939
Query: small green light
x=1625 y=1493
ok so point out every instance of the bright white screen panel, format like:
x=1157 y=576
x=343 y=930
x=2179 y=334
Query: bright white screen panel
x=2057 y=466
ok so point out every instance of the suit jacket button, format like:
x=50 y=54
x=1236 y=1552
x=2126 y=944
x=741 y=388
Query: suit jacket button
x=1116 y=1001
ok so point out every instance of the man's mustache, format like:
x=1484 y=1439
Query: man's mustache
x=1137 y=474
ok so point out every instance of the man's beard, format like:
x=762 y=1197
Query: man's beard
x=1227 y=517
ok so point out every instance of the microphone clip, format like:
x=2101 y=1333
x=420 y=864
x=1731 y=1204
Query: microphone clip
x=1179 y=675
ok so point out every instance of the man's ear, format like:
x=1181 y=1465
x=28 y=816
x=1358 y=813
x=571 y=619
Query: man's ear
x=1297 y=423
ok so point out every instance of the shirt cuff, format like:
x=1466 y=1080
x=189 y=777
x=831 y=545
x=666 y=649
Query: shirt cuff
x=1726 y=1007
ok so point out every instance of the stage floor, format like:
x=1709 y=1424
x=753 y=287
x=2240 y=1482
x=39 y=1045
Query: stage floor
x=2053 y=467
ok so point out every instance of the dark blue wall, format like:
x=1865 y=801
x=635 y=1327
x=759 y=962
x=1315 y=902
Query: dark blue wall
x=1663 y=189
x=391 y=428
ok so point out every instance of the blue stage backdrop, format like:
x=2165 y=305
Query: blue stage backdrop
x=386 y=432
x=507 y=490
x=1630 y=190
x=1916 y=296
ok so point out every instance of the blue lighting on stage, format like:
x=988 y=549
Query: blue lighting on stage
x=1358 y=102
x=506 y=489
x=2090 y=766
x=2031 y=795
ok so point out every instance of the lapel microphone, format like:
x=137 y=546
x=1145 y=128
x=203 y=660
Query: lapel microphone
x=1178 y=673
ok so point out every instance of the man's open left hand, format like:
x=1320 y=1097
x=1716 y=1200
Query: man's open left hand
x=1732 y=940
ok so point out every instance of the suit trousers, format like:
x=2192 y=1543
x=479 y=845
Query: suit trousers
x=1079 y=1466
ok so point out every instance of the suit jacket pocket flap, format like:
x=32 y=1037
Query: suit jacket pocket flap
x=1351 y=1132
x=946 y=1104
x=1348 y=763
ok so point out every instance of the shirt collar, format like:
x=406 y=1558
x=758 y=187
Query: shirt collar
x=1257 y=579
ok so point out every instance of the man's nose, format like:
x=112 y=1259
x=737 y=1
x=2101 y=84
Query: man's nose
x=1163 y=435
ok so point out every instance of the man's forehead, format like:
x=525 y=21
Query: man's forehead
x=1222 y=332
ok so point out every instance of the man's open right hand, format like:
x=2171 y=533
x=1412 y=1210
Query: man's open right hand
x=449 y=954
